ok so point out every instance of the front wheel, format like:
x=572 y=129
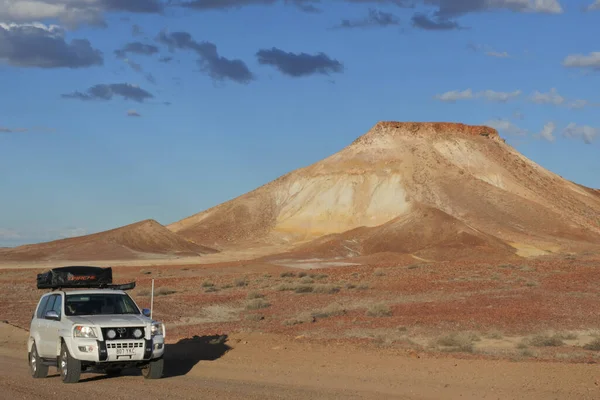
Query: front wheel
x=70 y=368
x=154 y=369
x=36 y=366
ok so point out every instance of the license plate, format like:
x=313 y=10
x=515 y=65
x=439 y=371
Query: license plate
x=123 y=352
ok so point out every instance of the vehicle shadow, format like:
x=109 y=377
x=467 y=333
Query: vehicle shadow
x=182 y=356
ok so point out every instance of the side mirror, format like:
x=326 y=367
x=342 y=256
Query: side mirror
x=52 y=315
x=146 y=312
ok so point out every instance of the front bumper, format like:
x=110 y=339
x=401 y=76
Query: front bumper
x=134 y=350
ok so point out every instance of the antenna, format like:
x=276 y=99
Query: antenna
x=152 y=298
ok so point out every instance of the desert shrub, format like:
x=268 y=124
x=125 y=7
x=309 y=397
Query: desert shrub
x=566 y=335
x=350 y=286
x=303 y=289
x=379 y=310
x=144 y=293
x=211 y=289
x=227 y=286
x=379 y=272
x=144 y=272
x=593 y=345
x=207 y=284
x=546 y=341
x=301 y=274
x=318 y=276
x=326 y=289
x=457 y=342
x=286 y=286
x=240 y=282
x=306 y=279
x=257 y=304
x=163 y=291
x=363 y=286
x=287 y=274
x=329 y=311
x=527 y=353
x=495 y=334
x=254 y=295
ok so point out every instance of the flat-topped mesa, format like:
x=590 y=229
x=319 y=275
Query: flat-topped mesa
x=394 y=128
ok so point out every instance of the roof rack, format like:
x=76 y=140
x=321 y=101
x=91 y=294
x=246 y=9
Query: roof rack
x=80 y=277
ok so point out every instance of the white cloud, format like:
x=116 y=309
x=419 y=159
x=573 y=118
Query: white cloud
x=69 y=232
x=72 y=12
x=455 y=95
x=468 y=94
x=584 y=132
x=547 y=98
x=8 y=234
x=69 y=12
x=579 y=103
x=547 y=132
x=497 y=54
x=591 y=60
x=501 y=97
x=545 y=6
x=506 y=127
x=488 y=50
x=594 y=6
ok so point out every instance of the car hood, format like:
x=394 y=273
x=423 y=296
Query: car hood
x=111 y=320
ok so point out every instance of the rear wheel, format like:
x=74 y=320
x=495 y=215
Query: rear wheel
x=36 y=366
x=154 y=369
x=70 y=368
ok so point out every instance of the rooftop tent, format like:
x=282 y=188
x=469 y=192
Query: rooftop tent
x=75 y=277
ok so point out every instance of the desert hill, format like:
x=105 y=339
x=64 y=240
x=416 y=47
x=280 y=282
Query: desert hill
x=478 y=188
x=429 y=190
x=145 y=239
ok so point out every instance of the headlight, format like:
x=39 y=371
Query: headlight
x=158 y=328
x=84 y=331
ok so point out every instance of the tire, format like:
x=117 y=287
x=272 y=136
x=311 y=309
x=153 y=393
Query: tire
x=69 y=367
x=154 y=369
x=36 y=367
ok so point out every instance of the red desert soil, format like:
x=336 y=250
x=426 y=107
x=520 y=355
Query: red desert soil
x=140 y=240
x=262 y=366
x=469 y=309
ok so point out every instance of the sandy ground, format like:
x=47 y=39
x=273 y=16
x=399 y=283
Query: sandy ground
x=254 y=366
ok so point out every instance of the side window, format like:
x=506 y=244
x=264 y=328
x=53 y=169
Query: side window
x=49 y=305
x=57 y=304
x=42 y=306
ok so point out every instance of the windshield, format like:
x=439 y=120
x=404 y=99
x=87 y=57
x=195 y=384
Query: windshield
x=99 y=304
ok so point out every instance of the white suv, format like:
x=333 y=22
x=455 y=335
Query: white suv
x=103 y=330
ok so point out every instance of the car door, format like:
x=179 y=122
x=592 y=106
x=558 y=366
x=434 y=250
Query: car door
x=54 y=326
x=49 y=328
x=38 y=322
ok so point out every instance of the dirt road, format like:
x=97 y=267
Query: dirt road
x=256 y=366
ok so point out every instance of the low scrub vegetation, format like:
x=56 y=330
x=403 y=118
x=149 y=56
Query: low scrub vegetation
x=546 y=341
x=164 y=291
x=593 y=345
x=254 y=295
x=257 y=304
x=379 y=310
x=459 y=342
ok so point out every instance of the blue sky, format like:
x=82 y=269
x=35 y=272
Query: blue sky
x=117 y=111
